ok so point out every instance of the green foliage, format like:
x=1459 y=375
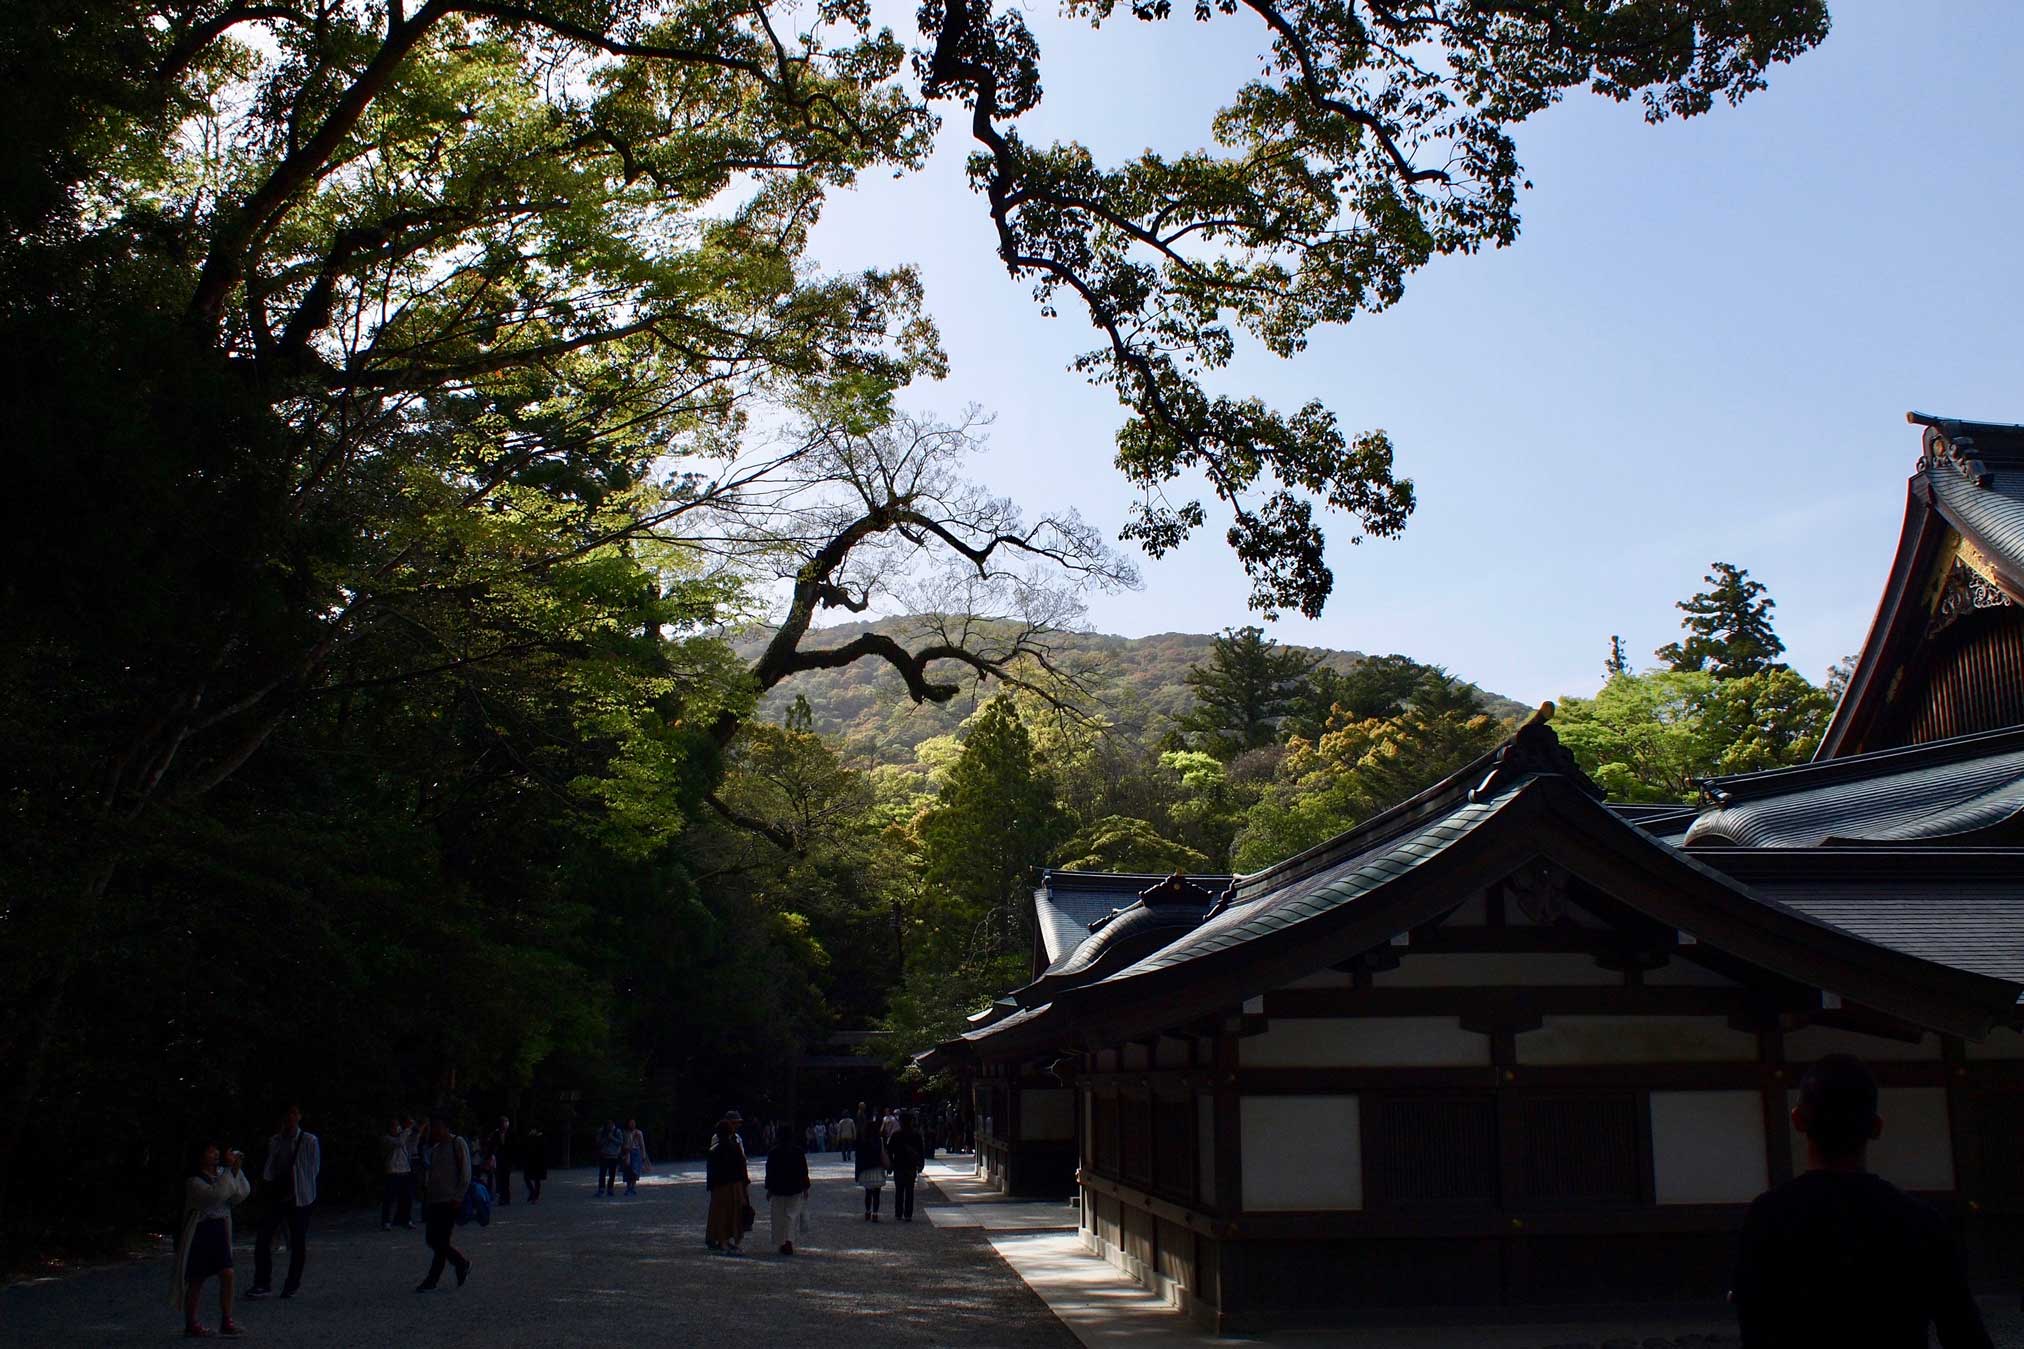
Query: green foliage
x=1728 y=626
x=1243 y=691
x=1121 y=843
x=1654 y=736
x=1360 y=766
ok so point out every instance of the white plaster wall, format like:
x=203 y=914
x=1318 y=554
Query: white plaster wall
x=1803 y=1046
x=1636 y=1039
x=1364 y=1042
x=1916 y=1151
x=1205 y=1143
x=1478 y=971
x=1047 y=1114
x=1708 y=1147
x=2000 y=1044
x=1680 y=972
x=1302 y=1152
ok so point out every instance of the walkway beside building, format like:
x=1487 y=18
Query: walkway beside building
x=1040 y=1240
x=576 y=1269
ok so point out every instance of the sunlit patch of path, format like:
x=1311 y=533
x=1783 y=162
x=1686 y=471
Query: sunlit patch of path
x=577 y=1269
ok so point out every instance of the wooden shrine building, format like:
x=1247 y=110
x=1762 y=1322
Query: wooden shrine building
x=1508 y=1045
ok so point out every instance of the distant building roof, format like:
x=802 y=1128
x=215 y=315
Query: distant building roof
x=1964 y=789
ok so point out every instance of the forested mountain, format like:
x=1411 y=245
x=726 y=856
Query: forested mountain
x=1140 y=682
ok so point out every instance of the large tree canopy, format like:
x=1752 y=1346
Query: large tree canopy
x=604 y=199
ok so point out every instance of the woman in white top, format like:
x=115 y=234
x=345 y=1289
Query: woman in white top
x=204 y=1241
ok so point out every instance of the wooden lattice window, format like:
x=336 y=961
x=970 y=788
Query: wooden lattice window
x=2001 y=1117
x=1421 y=1151
x=1579 y=1148
x=1103 y=1125
x=1174 y=1145
x=1136 y=1121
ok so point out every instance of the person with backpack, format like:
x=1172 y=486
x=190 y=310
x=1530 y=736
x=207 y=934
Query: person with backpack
x=447 y=1178
x=610 y=1144
x=907 y=1153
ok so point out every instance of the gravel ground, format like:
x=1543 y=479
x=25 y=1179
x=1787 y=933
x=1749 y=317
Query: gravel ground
x=579 y=1269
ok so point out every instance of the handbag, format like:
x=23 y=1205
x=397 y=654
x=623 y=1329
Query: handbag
x=746 y=1216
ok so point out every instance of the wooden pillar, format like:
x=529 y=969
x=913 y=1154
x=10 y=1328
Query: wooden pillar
x=1777 y=1078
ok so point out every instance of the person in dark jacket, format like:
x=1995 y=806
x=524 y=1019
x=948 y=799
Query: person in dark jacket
x=1839 y=1256
x=871 y=1165
x=787 y=1188
x=730 y=1184
x=534 y=1163
x=906 y=1154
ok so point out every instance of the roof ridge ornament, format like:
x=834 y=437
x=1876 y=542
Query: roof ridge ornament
x=1532 y=750
x=1947 y=440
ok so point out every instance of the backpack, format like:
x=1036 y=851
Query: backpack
x=477 y=1205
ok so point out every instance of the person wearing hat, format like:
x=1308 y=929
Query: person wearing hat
x=1841 y=1256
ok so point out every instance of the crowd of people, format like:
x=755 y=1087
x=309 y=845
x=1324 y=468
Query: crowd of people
x=1836 y=1255
x=889 y=1146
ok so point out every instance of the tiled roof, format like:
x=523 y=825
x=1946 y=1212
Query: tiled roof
x=1947 y=789
x=1962 y=908
x=1068 y=902
x=1309 y=895
x=1977 y=483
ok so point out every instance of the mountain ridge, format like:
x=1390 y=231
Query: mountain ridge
x=866 y=706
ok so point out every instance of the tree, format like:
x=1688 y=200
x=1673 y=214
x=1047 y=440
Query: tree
x=1617 y=663
x=1121 y=843
x=1361 y=766
x=1729 y=627
x=1655 y=736
x=1245 y=688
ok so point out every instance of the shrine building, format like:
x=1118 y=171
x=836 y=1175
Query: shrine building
x=1506 y=1045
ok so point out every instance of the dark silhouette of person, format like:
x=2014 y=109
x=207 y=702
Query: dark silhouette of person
x=1839 y=1256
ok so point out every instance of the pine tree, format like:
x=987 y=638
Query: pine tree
x=1728 y=627
x=1244 y=690
x=1618 y=663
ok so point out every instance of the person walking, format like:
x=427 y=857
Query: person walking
x=447 y=1177
x=846 y=1137
x=636 y=1156
x=610 y=1145
x=787 y=1190
x=499 y=1161
x=730 y=1184
x=534 y=1163
x=204 y=1241
x=1841 y=1256
x=294 y=1160
x=821 y=1136
x=397 y=1179
x=871 y=1167
x=908 y=1154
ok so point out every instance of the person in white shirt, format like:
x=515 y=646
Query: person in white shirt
x=397 y=1191
x=448 y=1176
x=294 y=1159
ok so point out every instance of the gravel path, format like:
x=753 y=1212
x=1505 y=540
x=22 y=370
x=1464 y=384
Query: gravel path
x=579 y=1269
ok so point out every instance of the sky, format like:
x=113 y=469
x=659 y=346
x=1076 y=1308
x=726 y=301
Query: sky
x=1702 y=346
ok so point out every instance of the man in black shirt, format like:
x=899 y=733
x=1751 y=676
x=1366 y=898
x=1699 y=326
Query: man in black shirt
x=1839 y=1256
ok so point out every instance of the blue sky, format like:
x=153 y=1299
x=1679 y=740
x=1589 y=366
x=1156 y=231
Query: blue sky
x=1701 y=347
